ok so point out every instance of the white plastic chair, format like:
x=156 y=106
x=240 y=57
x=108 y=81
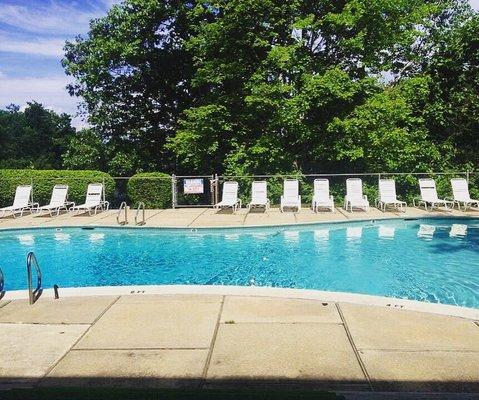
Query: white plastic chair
x=229 y=197
x=58 y=201
x=321 y=196
x=460 y=192
x=429 y=195
x=354 y=195
x=387 y=196
x=94 y=200
x=21 y=202
x=259 y=195
x=290 y=197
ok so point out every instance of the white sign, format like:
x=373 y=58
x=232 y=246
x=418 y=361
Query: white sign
x=193 y=186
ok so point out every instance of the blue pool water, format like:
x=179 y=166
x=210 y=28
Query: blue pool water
x=430 y=260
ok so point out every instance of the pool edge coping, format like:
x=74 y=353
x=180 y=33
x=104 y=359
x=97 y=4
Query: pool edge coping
x=256 y=291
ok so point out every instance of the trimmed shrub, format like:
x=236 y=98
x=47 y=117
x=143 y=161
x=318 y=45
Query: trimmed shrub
x=44 y=180
x=152 y=188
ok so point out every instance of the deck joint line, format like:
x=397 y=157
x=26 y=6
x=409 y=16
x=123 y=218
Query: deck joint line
x=194 y=219
x=212 y=344
x=50 y=369
x=355 y=349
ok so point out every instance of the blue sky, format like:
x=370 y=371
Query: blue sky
x=32 y=35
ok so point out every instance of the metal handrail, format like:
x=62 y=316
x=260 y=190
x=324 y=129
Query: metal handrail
x=141 y=206
x=2 y=281
x=123 y=206
x=33 y=294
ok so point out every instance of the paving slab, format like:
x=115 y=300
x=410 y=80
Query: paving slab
x=272 y=217
x=311 y=354
x=3 y=303
x=161 y=324
x=129 y=368
x=28 y=351
x=436 y=371
x=386 y=328
x=264 y=309
x=308 y=216
x=67 y=310
x=178 y=217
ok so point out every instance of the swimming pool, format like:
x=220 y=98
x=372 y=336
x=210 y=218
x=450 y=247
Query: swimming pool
x=433 y=260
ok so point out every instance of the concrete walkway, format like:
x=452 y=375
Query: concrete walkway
x=216 y=341
x=207 y=217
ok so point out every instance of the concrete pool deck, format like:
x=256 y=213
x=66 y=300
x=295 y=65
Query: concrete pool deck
x=229 y=339
x=207 y=217
x=216 y=341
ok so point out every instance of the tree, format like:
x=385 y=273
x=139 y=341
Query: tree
x=85 y=151
x=35 y=137
x=133 y=74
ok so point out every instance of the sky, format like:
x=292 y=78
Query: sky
x=32 y=35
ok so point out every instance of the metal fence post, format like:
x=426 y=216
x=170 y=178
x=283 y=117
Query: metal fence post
x=173 y=191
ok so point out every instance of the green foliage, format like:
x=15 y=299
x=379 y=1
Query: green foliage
x=152 y=188
x=85 y=151
x=44 y=180
x=33 y=138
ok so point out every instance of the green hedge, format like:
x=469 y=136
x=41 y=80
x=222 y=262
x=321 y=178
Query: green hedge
x=152 y=188
x=44 y=180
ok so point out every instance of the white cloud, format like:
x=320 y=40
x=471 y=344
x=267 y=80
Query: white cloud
x=46 y=47
x=49 y=91
x=50 y=18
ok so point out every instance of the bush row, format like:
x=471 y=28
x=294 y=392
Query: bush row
x=43 y=181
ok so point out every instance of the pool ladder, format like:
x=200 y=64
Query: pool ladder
x=141 y=207
x=123 y=207
x=2 y=284
x=33 y=294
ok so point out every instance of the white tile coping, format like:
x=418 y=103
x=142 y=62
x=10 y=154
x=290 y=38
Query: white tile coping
x=304 y=294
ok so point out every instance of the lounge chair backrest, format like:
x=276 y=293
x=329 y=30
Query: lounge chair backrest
x=259 y=194
x=94 y=194
x=321 y=189
x=387 y=190
x=59 y=195
x=22 y=196
x=460 y=189
x=230 y=191
x=291 y=189
x=428 y=189
x=354 y=188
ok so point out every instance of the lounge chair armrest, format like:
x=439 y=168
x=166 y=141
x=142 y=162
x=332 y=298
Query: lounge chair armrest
x=299 y=198
x=365 y=197
x=331 y=197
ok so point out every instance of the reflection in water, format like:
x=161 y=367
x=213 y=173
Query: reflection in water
x=291 y=236
x=321 y=235
x=426 y=231
x=232 y=236
x=26 y=240
x=386 y=232
x=62 y=237
x=354 y=232
x=96 y=237
x=458 y=230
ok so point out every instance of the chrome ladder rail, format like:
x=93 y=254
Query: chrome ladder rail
x=141 y=206
x=123 y=206
x=33 y=294
x=2 y=283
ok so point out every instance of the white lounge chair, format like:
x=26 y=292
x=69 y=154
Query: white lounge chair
x=58 y=201
x=259 y=195
x=460 y=192
x=229 y=197
x=21 y=202
x=429 y=195
x=354 y=195
x=321 y=196
x=387 y=196
x=290 y=197
x=94 y=200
